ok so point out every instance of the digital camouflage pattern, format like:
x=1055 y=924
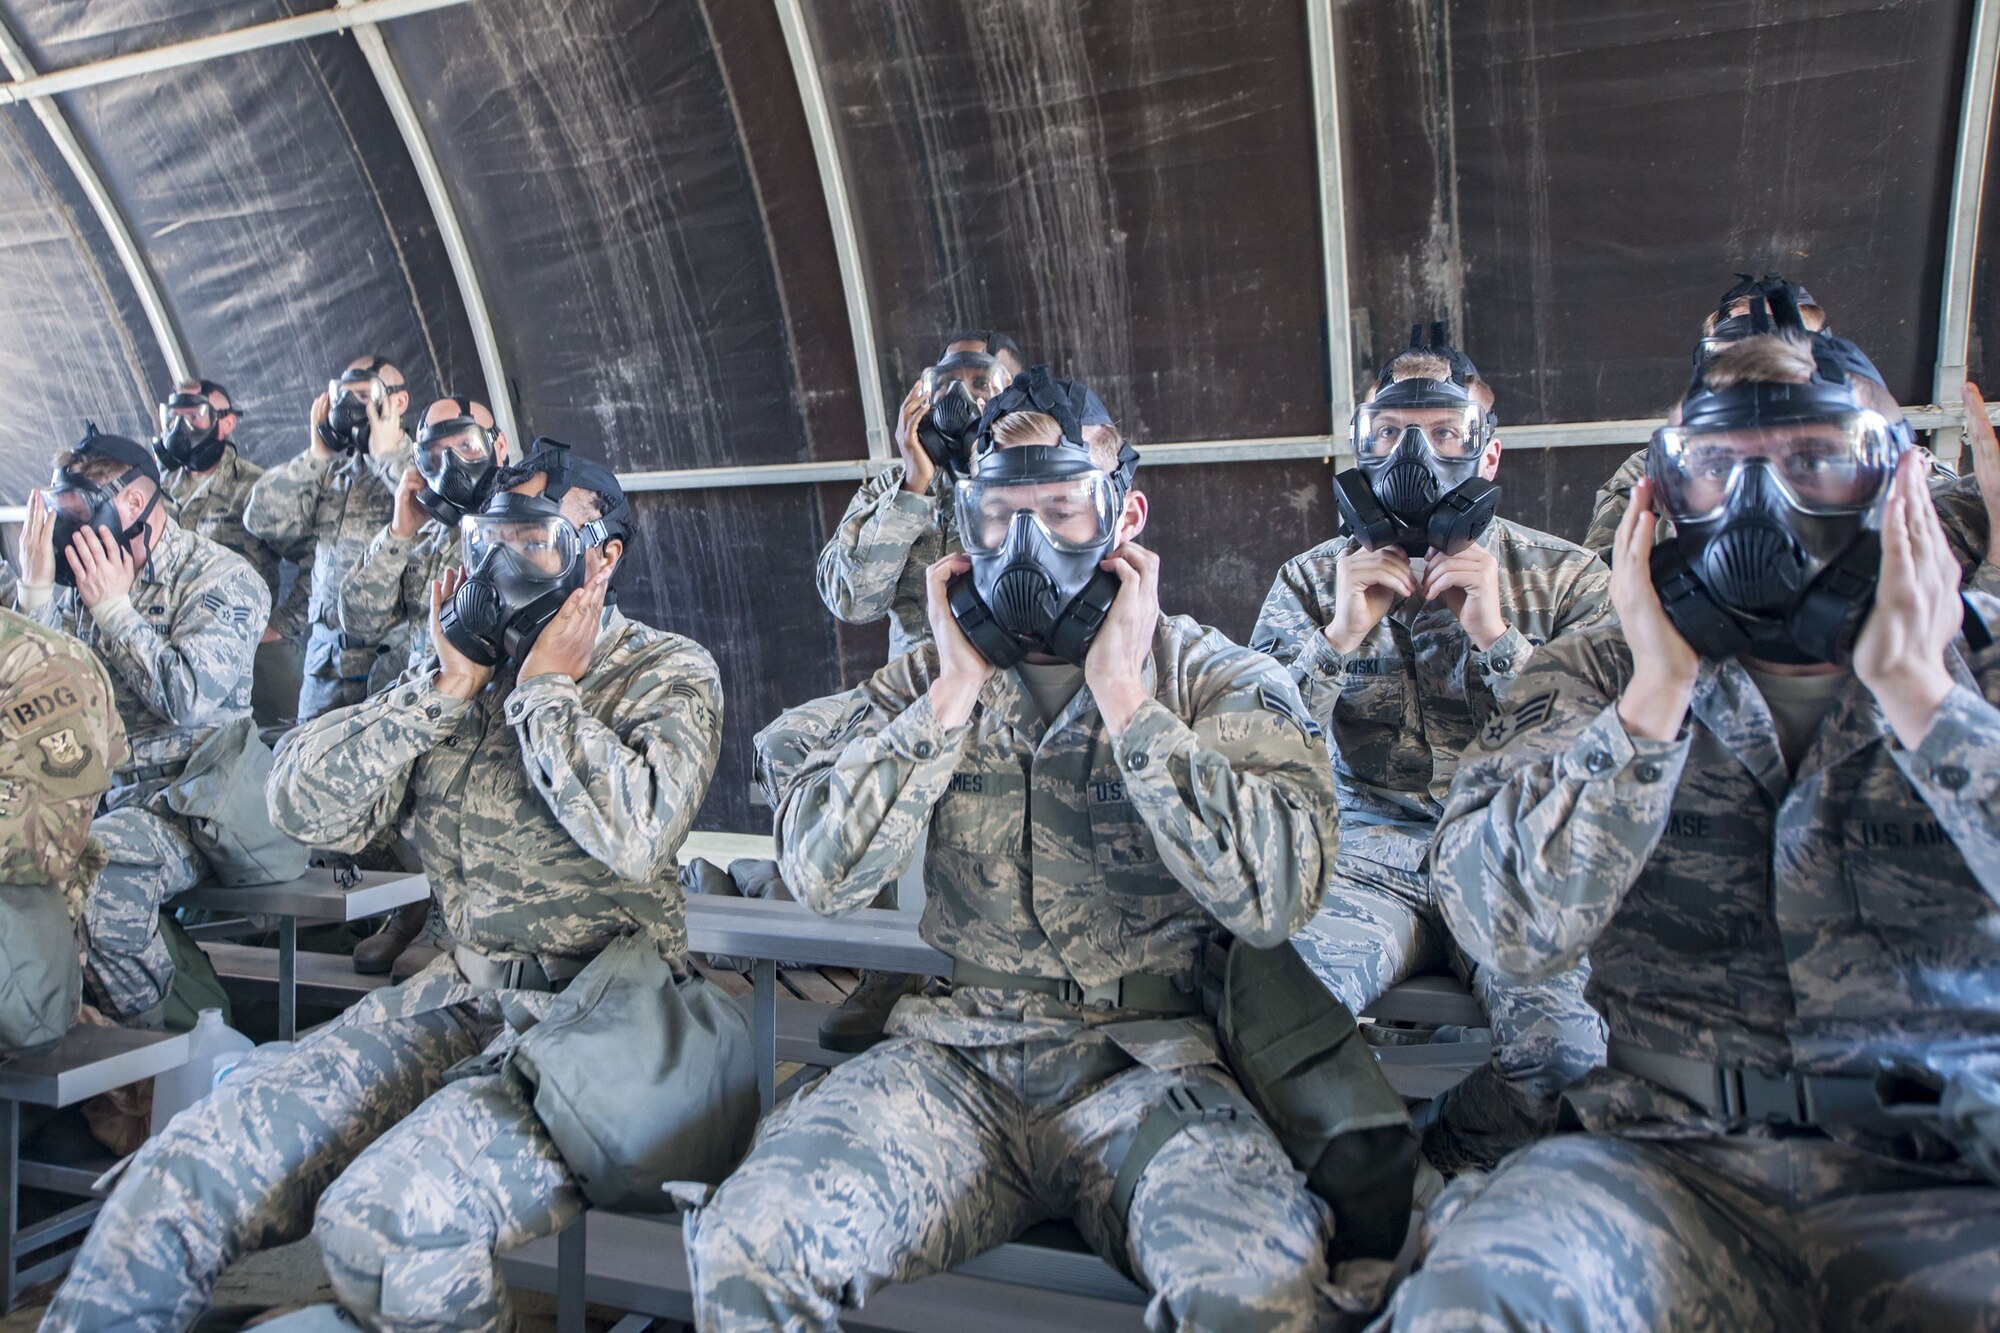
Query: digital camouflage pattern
x=389 y=591
x=179 y=651
x=547 y=815
x=1841 y=920
x=874 y=565
x=60 y=740
x=1398 y=712
x=213 y=506
x=1705 y=1236
x=1053 y=851
x=325 y=512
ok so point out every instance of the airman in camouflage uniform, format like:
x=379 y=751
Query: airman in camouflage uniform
x=178 y=632
x=1795 y=962
x=547 y=809
x=899 y=523
x=324 y=509
x=60 y=739
x=213 y=503
x=1075 y=866
x=1398 y=709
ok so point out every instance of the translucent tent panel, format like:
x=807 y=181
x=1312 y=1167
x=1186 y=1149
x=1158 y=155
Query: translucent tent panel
x=275 y=203
x=1983 y=359
x=595 y=164
x=1129 y=190
x=73 y=344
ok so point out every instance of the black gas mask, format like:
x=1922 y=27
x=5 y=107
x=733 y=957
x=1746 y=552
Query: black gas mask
x=523 y=558
x=1418 y=444
x=1775 y=292
x=1037 y=520
x=190 y=429
x=348 y=402
x=960 y=386
x=459 y=460
x=76 y=503
x=1776 y=492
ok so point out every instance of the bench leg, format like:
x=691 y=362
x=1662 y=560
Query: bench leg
x=10 y=1191
x=764 y=1026
x=288 y=978
x=572 y=1254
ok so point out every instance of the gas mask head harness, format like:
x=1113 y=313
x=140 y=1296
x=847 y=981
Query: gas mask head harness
x=1037 y=520
x=349 y=401
x=1729 y=328
x=190 y=427
x=459 y=460
x=523 y=558
x=1776 y=491
x=959 y=386
x=1418 y=443
x=76 y=502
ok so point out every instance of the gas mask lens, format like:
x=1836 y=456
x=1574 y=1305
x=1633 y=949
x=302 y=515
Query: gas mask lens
x=365 y=389
x=978 y=375
x=470 y=443
x=195 y=413
x=1832 y=465
x=539 y=548
x=1075 y=514
x=1453 y=433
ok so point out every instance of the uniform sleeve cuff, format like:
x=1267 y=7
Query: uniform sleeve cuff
x=917 y=734
x=388 y=543
x=1505 y=658
x=1606 y=752
x=1149 y=738
x=538 y=692
x=427 y=707
x=1322 y=661
x=1962 y=732
x=114 y=615
x=1985 y=578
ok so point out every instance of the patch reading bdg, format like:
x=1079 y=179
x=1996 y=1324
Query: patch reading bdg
x=1523 y=717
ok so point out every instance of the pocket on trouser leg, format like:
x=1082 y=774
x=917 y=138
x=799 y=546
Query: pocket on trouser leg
x=439 y=1285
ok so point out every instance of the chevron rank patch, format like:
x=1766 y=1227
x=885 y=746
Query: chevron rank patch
x=1524 y=716
x=1279 y=702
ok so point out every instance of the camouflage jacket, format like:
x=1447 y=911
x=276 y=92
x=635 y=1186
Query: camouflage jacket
x=389 y=591
x=546 y=813
x=1731 y=910
x=213 y=506
x=60 y=740
x=874 y=565
x=326 y=511
x=180 y=648
x=1400 y=709
x=1956 y=497
x=1056 y=851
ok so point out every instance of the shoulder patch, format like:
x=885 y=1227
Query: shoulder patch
x=224 y=609
x=1524 y=716
x=1288 y=705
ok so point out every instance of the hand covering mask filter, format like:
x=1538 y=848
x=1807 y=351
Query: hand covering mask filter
x=523 y=558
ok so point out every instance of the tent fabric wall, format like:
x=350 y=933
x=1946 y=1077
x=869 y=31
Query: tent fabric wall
x=1129 y=186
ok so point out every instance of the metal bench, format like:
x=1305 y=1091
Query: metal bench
x=321 y=894
x=249 y=971
x=88 y=1061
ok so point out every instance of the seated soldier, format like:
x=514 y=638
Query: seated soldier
x=1402 y=652
x=60 y=740
x=460 y=452
x=176 y=618
x=207 y=477
x=1763 y=812
x=545 y=762
x=1097 y=808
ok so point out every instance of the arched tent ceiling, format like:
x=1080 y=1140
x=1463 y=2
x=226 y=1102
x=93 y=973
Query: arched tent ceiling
x=1133 y=188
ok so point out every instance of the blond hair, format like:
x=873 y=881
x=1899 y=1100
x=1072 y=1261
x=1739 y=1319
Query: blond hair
x=1762 y=358
x=1418 y=364
x=1041 y=428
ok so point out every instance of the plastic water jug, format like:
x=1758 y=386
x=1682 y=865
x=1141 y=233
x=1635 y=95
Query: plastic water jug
x=212 y=1045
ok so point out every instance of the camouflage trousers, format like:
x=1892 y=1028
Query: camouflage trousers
x=918 y=1155
x=151 y=859
x=409 y=1183
x=322 y=687
x=1378 y=926
x=1719 y=1234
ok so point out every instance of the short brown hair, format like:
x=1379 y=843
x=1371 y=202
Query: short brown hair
x=1041 y=428
x=96 y=470
x=1419 y=364
x=1787 y=358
